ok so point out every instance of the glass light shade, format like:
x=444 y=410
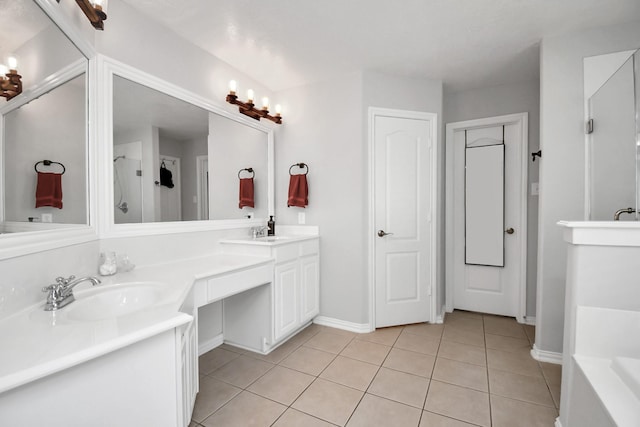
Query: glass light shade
x=250 y=95
x=12 y=62
x=233 y=86
x=3 y=70
x=265 y=103
x=100 y=3
x=278 y=109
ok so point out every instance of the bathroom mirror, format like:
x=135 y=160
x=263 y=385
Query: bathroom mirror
x=177 y=159
x=37 y=126
x=612 y=136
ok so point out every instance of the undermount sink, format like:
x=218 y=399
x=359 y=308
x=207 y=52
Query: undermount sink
x=114 y=301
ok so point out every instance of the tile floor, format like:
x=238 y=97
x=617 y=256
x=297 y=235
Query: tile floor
x=475 y=370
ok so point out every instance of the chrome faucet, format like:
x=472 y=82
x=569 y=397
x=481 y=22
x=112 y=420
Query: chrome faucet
x=258 y=231
x=616 y=216
x=61 y=292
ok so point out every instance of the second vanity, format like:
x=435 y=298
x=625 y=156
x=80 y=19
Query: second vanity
x=82 y=367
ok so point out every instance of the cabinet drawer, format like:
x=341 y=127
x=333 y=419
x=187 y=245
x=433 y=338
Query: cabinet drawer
x=309 y=247
x=230 y=284
x=284 y=253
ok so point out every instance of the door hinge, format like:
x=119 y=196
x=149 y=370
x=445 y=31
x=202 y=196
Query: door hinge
x=138 y=172
x=588 y=128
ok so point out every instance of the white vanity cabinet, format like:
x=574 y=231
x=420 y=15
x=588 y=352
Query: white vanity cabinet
x=187 y=356
x=295 y=290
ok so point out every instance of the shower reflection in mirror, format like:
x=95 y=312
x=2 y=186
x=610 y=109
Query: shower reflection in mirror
x=127 y=183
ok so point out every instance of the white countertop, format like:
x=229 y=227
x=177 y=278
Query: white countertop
x=271 y=240
x=37 y=343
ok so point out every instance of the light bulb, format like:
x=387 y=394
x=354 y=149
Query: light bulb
x=250 y=95
x=233 y=86
x=278 y=109
x=265 y=103
x=12 y=62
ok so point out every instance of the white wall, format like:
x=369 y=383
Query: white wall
x=497 y=101
x=562 y=166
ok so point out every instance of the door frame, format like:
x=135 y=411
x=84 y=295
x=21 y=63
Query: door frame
x=521 y=119
x=373 y=113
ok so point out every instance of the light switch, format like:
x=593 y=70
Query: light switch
x=301 y=218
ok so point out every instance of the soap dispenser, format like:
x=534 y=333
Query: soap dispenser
x=271 y=226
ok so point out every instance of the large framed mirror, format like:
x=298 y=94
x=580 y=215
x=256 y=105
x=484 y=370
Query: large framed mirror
x=44 y=140
x=612 y=116
x=174 y=161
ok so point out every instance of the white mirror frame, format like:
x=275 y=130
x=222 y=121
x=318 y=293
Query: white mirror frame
x=19 y=244
x=107 y=68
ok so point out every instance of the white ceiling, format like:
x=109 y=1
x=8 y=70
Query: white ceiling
x=466 y=43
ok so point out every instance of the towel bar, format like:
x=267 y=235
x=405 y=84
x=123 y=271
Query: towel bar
x=300 y=165
x=250 y=170
x=49 y=163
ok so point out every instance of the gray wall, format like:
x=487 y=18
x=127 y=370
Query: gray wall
x=497 y=101
x=562 y=167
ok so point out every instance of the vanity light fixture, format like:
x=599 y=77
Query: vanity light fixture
x=95 y=11
x=248 y=108
x=10 y=80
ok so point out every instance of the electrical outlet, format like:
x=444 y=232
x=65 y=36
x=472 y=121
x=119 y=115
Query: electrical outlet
x=46 y=217
x=301 y=218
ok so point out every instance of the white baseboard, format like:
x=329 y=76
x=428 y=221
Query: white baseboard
x=530 y=320
x=558 y=423
x=359 y=328
x=546 y=356
x=209 y=345
x=440 y=319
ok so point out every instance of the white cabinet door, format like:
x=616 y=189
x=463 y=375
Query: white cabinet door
x=310 y=287
x=286 y=299
x=188 y=371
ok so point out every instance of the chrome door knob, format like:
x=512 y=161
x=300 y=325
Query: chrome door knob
x=510 y=230
x=381 y=233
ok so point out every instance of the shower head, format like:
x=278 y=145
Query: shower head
x=119 y=157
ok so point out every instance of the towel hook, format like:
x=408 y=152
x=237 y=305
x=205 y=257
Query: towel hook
x=49 y=163
x=300 y=165
x=250 y=170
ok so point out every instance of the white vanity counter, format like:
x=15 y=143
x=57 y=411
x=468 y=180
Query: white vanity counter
x=39 y=343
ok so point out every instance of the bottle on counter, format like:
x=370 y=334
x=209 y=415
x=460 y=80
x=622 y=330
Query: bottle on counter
x=271 y=226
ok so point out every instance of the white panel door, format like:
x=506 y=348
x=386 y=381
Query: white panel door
x=482 y=288
x=403 y=241
x=171 y=198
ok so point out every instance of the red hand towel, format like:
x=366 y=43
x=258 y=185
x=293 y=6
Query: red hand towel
x=246 y=193
x=49 y=190
x=298 y=191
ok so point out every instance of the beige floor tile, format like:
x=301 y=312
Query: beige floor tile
x=328 y=401
x=375 y=411
x=193 y=424
x=418 y=343
x=410 y=362
x=459 y=403
x=245 y=410
x=520 y=387
x=329 y=342
x=350 y=372
x=232 y=348
x=463 y=336
x=339 y=332
x=212 y=395
x=506 y=326
x=384 y=336
x=281 y=384
x=555 y=394
x=552 y=372
x=519 y=363
x=460 y=373
x=427 y=329
x=308 y=360
x=212 y=360
x=293 y=418
x=508 y=413
x=429 y=419
x=366 y=351
x=277 y=355
x=463 y=353
x=530 y=330
x=473 y=324
x=242 y=371
x=400 y=387
x=501 y=342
